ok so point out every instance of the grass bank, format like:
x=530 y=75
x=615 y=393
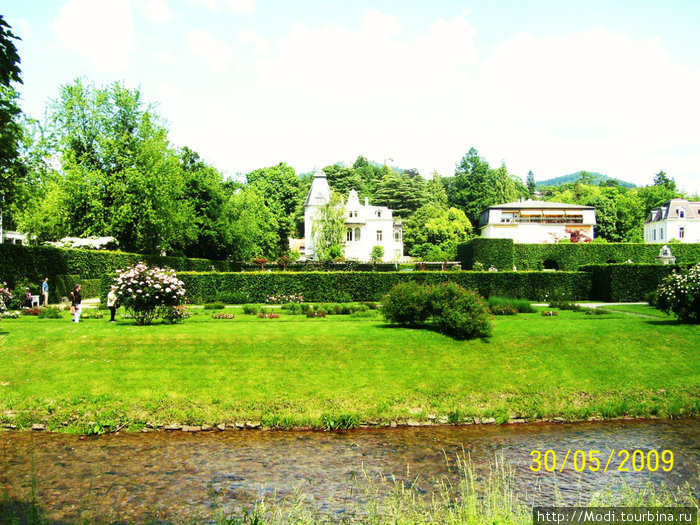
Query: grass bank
x=341 y=371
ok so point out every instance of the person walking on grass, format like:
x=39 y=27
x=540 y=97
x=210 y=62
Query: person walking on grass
x=45 y=292
x=112 y=304
x=75 y=305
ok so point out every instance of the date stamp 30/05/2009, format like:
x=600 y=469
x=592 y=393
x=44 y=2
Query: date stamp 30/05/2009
x=595 y=460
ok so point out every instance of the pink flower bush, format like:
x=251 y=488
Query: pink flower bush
x=148 y=293
x=5 y=295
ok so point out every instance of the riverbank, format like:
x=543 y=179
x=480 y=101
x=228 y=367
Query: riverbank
x=341 y=372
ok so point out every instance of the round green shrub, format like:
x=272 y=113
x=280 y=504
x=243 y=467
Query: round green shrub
x=460 y=313
x=407 y=304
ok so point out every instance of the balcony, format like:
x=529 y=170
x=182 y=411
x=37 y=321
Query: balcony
x=543 y=220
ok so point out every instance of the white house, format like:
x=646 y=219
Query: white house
x=366 y=226
x=536 y=221
x=676 y=219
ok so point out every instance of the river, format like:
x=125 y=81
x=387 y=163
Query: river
x=175 y=475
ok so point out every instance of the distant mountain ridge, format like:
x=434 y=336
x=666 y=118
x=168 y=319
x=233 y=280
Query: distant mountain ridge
x=573 y=177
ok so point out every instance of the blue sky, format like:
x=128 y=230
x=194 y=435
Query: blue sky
x=548 y=86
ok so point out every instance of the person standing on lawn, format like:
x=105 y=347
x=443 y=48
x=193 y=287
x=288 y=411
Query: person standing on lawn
x=112 y=304
x=75 y=305
x=45 y=291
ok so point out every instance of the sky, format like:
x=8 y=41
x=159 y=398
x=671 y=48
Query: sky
x=548 y=86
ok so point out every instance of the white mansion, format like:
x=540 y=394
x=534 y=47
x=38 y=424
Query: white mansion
x=531 y=221
x=366 y=226
x=677 y=219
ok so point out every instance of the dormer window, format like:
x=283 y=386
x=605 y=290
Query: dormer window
x=378 y=213
x=681 y=213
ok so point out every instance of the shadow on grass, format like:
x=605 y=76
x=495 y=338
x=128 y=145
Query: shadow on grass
x=434 y=329
x=667 y=322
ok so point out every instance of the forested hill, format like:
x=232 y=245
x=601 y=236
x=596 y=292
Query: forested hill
x=595 y=178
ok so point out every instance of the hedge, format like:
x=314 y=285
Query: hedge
x=233 y=288
x=33 y=263
x=626 y=282
x=504 y=254
x=63 y=285
x=489 y=252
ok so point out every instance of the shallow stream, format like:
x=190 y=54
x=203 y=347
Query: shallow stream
x=176 y=475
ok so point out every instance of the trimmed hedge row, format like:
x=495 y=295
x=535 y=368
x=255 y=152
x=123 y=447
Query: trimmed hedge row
x=33 y=263
x=63 y=285
x=207 y=287
x=504 y=254
x=626 y=282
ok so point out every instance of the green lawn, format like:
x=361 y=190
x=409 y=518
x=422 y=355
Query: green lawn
x=295 y=371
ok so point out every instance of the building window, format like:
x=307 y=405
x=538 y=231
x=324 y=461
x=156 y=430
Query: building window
x=379 y=235
x=397 y=235
x=357 y=234
x=681 y=232
x=378 y=213
x=661 y=234
x=681 y=213
x=349 y=234
x=653 y=234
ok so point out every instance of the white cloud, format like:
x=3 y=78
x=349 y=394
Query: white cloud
x=158 y=11
x=242 y=6
x=213 y=52
x=591 y=99
x=382 y=24
x=168 y=90
x=167 y=57
x=209 y=5
x=255 y=40
x=102 y=31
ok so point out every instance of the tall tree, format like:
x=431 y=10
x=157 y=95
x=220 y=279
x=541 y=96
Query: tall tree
x=531 y=184
x=253 y=228
x=662 y=179
x=280 y=187
x=11 y=128
x=206 y=194
x=472 y=187
x=329 y=229
x=118 y=174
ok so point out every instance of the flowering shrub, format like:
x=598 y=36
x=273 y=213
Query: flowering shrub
x=503 y=309
x=91 y=313
x=5 y=296
x=222 y=315
x=9 y=314
x=268 y=316
x=31 y=311
x=148 y=293
x=549 y=313
x=679 y=294
x=175 y=314
x=283 y=299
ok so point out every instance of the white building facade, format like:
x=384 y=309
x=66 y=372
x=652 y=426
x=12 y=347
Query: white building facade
x=536 y=221
x=677 y=219
x=365 y=226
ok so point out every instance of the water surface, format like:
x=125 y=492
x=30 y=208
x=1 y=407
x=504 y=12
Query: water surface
x=175 y=475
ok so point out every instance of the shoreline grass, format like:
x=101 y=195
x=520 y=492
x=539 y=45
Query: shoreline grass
x=341 y=372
